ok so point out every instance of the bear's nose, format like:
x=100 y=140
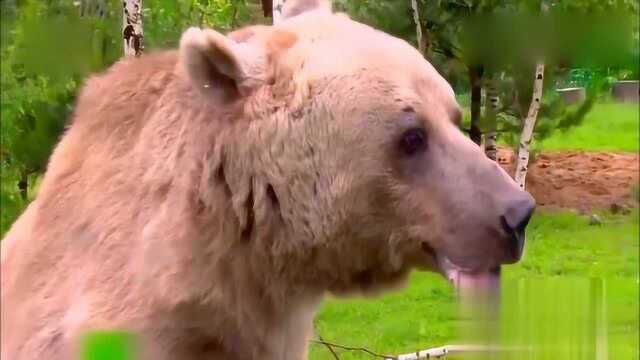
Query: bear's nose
x=515 y=220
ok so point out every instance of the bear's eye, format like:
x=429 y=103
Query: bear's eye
x=413 y=141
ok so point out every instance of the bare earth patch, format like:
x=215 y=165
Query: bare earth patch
x=580 y=180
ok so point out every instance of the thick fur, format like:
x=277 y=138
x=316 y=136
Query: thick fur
x=206 y=199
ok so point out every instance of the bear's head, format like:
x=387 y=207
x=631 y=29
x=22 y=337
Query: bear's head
x=348 y=146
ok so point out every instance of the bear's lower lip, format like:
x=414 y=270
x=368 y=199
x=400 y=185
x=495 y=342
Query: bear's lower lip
x=466 y=280
x=476 y=282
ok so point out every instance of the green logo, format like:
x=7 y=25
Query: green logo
x=108 y=345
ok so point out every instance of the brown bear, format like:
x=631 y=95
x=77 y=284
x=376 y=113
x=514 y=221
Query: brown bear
x=206 y=199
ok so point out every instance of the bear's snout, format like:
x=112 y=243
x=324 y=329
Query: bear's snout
x=514 y=221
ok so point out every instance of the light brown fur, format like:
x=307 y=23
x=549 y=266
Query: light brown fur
x=206 y=199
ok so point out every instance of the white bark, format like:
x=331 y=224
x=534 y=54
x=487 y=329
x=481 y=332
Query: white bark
x=448 y=350
x=416 y=19
x=277 y=10
x=492 y=106
x=132 y=27
x=529 y=125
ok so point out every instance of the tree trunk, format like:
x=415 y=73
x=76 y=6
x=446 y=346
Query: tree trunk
x=529 y=125
x=277 y=10
x=422 y=45
x=475 y=79
x=491 y=113
x=132 y=27
x=23 y=185
x=267 y=8
x=93 y=8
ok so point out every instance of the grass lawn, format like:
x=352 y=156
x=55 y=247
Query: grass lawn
x=608 y=126
x=568 y=269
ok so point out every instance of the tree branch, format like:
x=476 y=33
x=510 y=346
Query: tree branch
x=350 y=348
x=329 y=346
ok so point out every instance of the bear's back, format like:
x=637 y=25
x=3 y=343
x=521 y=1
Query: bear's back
x=39 y=250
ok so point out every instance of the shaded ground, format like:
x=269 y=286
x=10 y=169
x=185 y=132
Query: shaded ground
x=580 y=180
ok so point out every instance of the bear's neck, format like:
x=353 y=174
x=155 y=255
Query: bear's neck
x=237 y=303
x=218 y=231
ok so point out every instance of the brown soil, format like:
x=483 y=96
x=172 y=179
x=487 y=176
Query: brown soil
x=580 y=180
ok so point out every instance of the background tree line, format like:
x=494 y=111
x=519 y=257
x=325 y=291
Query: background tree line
x=485 y=48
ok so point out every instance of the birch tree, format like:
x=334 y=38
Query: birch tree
x=422 y=45
x=132 y=27
x=491 y=114
x=526 y=136
x=529 y=125
x=276 y=11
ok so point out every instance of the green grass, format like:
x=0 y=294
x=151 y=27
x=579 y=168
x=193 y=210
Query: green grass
x=564 y=244
x=423 y=314
x=608 y=126
x=567 y=261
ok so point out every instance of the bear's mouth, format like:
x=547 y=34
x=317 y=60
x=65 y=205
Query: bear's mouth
x=465 y=279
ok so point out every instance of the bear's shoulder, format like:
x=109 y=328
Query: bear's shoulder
x=129 y=85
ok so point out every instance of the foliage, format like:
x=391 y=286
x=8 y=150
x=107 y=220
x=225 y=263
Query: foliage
x=393 y=17
x=505 y=37
x=497 y=38
x=47 y=49
x=165 y=20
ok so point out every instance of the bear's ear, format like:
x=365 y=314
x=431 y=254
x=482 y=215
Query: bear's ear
x=215 y=62
x=296 y=7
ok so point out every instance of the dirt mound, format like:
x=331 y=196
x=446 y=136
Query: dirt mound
x=580 y=180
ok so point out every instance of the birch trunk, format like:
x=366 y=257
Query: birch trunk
x=529 y=125
x=132 y=27
x=443 y=351
x=277 y=10
x=422 y=45
x=491 y=111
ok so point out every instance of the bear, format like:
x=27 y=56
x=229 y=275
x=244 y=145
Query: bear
x=207 y=198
